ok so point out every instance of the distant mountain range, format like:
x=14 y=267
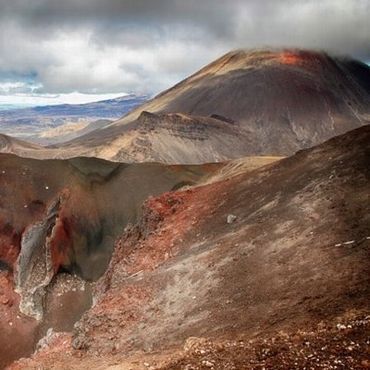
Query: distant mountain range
x=56 y=123
x=111 y=108
x=13 y=106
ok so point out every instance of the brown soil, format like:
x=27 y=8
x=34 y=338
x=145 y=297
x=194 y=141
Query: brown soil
x=17 y=336
x=344 y=345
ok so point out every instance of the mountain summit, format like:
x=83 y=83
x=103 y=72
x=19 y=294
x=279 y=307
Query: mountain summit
x=259 y=102
x=246 y=103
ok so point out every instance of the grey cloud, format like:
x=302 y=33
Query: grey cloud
x=147 y=45
x=216 y=15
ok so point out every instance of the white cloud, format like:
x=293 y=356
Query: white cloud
x=49 y=99
x=145 y=46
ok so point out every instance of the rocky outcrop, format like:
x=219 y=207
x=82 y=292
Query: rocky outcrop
x=182 y=138
x=35 y=266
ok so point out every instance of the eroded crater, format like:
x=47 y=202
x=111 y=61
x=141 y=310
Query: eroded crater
x=58 y=224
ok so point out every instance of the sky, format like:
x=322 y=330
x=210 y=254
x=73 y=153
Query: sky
x=54 y=51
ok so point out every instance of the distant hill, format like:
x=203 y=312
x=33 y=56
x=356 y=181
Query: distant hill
x=105 y=108
x=37 y=123
x=15 y=146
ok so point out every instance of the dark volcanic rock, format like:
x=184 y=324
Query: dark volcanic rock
x=58 y=123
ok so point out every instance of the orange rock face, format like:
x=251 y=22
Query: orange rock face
x=290 y=58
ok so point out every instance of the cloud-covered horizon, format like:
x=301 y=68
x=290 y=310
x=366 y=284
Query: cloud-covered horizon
x=144 y=46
